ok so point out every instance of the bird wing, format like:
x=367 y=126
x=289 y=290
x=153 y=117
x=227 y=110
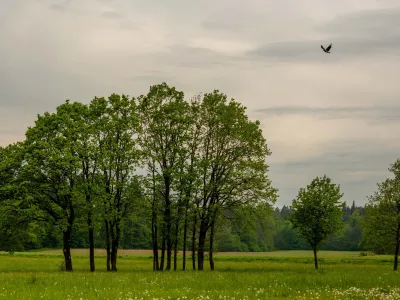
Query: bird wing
x=329 y=47
x=323 y=48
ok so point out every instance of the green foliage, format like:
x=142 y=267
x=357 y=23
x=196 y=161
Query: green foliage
x=381 y=226
x=317 y=211
x=248 y=229
x=233 y=153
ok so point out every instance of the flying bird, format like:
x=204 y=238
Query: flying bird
x=327 y=48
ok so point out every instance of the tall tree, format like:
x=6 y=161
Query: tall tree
x=117 y=127
x=189 y=176
x=165 y=124
x=317 y=212
x=382 y=219
x=232 y=159
x=51 y=171
x=82 y=131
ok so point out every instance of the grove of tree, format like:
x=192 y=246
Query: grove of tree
x=176 y=176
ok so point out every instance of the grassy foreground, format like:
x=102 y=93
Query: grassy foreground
x=276 y=275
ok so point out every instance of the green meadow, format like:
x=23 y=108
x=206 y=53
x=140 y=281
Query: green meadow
x=273 y=275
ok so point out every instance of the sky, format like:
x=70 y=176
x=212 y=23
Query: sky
x=336 y=114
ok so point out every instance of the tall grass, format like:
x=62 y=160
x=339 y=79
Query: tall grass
x=276 y=276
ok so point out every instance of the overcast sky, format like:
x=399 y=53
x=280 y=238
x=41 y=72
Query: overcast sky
x=336 y=114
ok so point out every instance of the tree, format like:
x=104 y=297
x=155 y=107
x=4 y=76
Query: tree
x=16 y=226
x=233 y=165
x=50 y=172
x=381 y=226
x=117 y=126
x=353 y=207
x=317 y=212
x=165 y=125
x=82 y=131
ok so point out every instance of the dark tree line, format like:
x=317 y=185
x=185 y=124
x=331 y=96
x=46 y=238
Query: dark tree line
x=256 y=230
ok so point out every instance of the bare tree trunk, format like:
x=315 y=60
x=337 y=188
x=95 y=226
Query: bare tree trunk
x=162 y=254
x=176 y=245
x=91 y=240
x=114 y=250
x=167 y=221
x=315 y=258
x=396 y=253
x=184 y=240
x=67 y=249
x=175 y=256
x=67 y=239
x=169 y=254
x=108 y=246
x=211 y=246
x=194 y=244
x=114 y=246
x=202 y=242
x=154 y=228
x=168 y=238
x=154 y=241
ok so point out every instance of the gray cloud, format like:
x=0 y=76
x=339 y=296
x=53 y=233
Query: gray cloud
x=371 y=32
x=114 y=15
x=372 y=114
x=333 y=114
x=61 y=6
x=356 y=166
x=365 y=24
x=196 y=57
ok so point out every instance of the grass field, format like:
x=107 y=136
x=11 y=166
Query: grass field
x=273 y=275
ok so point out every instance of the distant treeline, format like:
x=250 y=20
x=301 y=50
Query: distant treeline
x=243 y=233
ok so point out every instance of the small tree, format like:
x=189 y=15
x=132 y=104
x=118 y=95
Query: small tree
x=317 y=212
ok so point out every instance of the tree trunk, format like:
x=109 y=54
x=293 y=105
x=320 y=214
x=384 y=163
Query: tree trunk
x=315 y=258
x=154 y=229
x=114 y=250
x=108 y=246
x=67 y=249
x=396 y=253
x=67 y=239
x=211 y=246
x=114 y=245
x=168 y=238
x=184 y=240
x=176 y=247
x=169 y=255
x=91 y=240
x=167 y=220
x=194 y=244
x=154 y=241
x=200 y=249
x=175 y=256
x=176 y=233
x=162 y=254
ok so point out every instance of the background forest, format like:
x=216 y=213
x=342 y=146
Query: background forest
x=246 y=232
